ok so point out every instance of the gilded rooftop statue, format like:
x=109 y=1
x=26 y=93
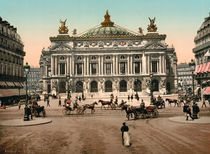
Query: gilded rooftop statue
x=152 y=27
x=63 y=29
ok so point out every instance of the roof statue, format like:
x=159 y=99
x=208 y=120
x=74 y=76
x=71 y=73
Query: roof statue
x=63 y=29
x=107 y=22
x=152 y=27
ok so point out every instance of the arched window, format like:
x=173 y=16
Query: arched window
x=155 y=85
x=137 y=85
x=79 y=87
x=93 y=86
x=108 y=86
x=123 y=86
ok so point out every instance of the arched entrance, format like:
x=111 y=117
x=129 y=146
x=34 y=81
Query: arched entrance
x=93 y=86
x=79 y=87
x=62 y=87
x=155 y=85
x=168 y=87
x=108 y=86
x=137 y=86
x=123 y=86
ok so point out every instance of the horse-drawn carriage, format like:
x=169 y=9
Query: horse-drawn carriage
x=37 y=109
x=109 y=104
x=70 y=107
x=147 y=112
x=159 y=102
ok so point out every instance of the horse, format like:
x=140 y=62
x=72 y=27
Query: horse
x=89 y=106
x=170 y=101
x=103 y=103
x=130 y=110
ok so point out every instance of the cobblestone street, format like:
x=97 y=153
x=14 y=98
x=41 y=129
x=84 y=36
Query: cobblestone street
x=100 y=133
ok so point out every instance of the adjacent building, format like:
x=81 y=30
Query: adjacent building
x=185 y=78
x=11 y=63
x=33 y=79
x=202 y=55
x=109 y=59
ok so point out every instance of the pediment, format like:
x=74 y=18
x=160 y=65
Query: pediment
x=60 y=47
x=156 y=45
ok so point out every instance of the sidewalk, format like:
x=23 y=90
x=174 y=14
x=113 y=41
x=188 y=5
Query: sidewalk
x=21 y=122
x=182 y=119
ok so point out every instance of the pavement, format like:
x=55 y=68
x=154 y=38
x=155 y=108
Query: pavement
x=20 y=122
x=182 y=119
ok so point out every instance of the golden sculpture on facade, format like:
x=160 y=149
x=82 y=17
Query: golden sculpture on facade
x=63 y=29
x=152 y=27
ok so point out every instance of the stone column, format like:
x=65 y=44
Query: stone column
x=102 y=65
x=85 y=65
x=88 y=65
x=117 y=65
x=70 y=65
x=67 y=65
x=99 y=65
x=114 y=64
x=52 y=65
x=143 y=64
x=131 y=65
x=59 y=69
x=160 y=63
x=56 y=65
x=128 y=64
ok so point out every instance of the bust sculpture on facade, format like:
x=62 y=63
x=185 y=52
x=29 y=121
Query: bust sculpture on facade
x=63 y=29
x=152 y=27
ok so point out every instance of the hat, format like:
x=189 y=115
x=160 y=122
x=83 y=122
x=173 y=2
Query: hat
x=123 y=123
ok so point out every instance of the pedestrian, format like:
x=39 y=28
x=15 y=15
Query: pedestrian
x=59 y=102
x=196 y=110
x=48 y=102
x=131 y=97
x=128 y=97
x=125 y=135
x=189 y=114
x=19 y=104
x=116 y=100
x=204 y=103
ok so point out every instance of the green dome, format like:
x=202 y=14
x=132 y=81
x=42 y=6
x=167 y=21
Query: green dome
x=107 y=31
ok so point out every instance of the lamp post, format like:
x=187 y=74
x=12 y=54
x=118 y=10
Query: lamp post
x=26 y=115
x=68 y=89
x=151 y=90
x=192 y=65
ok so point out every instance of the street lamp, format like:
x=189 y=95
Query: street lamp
x=68 y=89
x=151 y=89
x=192 y=65
x=26 y=115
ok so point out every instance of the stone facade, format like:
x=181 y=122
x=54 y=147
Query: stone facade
x=109 y=59
x=202 y=55
x=11 y=62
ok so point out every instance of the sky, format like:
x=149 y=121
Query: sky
x=37 y=20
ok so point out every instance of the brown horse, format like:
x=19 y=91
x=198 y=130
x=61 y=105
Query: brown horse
x=170 y=101
x=90 y=106
x=103 y=103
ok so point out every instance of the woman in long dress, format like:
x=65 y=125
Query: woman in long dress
x=126 y=138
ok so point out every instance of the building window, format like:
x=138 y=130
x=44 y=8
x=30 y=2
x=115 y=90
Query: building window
x=79 y=87
x=79 y=69
x=137 y=85
x=122 y=67
x=108 y=86
x=108 y=68
x=137 y=67
x=155 y=85
x=93 y=86
x=93 y=68
x=154 y=66
x=123 y=86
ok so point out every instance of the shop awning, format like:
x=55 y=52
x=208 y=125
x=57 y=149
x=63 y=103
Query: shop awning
x=11 y=92
x=196 y=69
x=10 y=84
x=204 y=67
x=207 y=91
x=207 y=69
x=200 y=68
x=3 y=84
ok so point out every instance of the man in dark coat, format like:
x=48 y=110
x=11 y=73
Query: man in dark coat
x=124 y=128
x=196 y=110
